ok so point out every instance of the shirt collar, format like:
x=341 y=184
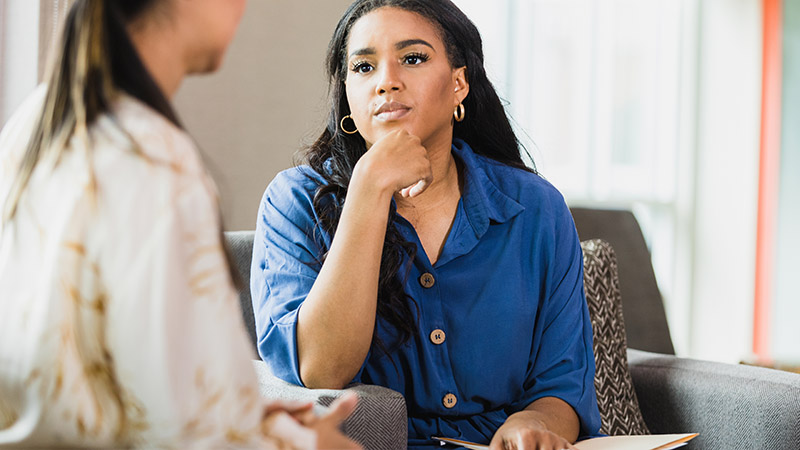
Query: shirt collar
x=482 y=199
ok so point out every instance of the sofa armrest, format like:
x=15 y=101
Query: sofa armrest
x=731 y=406
x=379 y=421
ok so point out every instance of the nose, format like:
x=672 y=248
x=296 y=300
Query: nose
x=389 y=80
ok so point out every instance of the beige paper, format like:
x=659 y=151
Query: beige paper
x=650 y=442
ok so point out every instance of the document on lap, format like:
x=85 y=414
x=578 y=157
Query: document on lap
x=648 y=442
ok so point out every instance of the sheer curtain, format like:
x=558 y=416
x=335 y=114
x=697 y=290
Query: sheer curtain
x=29 y=30
x=3 y=64
x=649 y=105
x=595 y=88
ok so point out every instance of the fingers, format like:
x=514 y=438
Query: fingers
x=341 y=408
x=414 y=190
x=327 y=428
x=397 y=161
x=328 y=439
x=288 y=406
x=527 y=440
x=497 y=444
x=418 y=188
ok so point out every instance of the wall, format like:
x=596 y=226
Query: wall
x=267 y=102
x=18 y=54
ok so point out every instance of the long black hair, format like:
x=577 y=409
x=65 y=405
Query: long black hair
x=486 y=129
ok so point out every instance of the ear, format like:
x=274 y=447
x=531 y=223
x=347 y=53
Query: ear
x=461 y=85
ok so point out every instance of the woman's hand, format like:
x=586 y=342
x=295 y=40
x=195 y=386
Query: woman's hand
x=397 y=162
x=523 y=431
x=327 y=426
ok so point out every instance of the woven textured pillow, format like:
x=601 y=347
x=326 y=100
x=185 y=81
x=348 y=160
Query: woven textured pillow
x=616 y=398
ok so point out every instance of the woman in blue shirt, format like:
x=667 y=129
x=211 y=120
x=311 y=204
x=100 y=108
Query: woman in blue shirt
x=416 y=251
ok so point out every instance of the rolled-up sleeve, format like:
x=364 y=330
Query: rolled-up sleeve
x=562 y=361
x=286 y=261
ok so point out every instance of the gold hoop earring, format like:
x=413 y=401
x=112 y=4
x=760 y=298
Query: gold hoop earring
x=460 y=112
x=341 y=125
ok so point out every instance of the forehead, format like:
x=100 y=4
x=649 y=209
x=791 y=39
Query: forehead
x=386 y=26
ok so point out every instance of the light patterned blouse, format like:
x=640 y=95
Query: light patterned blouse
x=119 y=324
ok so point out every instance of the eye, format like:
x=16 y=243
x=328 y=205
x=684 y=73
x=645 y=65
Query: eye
x=414 y=59
x=361 y=67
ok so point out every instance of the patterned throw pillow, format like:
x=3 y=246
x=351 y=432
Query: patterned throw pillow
x=616 y=398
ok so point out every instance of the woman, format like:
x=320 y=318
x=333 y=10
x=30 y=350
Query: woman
x=119 y=324
x=416 y=251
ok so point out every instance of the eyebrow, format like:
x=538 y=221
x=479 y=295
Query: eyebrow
x=399 y=46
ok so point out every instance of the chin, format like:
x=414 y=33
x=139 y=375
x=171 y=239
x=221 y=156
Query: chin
x=214 y=65
x=385 y=127
x=208 y=65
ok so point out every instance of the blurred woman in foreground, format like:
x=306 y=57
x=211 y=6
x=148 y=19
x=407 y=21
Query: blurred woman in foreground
x=119 y=323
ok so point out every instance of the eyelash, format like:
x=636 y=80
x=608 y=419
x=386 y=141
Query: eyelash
x=358 y=65
x=421 y=56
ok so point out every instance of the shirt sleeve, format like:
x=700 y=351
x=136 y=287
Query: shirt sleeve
x=562 y=364
x=287 y=248
x=181 y=351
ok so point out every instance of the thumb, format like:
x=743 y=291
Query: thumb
x=341 y=408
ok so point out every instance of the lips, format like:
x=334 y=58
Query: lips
x=392 y=111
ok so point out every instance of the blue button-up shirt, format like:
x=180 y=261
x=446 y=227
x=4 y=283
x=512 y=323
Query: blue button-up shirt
x=507 y=295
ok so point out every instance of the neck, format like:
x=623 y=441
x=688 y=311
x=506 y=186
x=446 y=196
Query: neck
x=155 y=44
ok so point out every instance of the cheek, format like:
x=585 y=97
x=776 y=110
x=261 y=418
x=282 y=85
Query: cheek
x=438 y=101
x=225 y=20
x=240 y=7
x=358 y=99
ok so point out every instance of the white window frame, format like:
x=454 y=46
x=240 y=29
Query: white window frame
x=699 y=233
x=20 y=53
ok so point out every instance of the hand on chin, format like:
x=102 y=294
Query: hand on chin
x=384 y=128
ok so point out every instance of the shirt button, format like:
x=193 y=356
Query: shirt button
x=449 y=401
x=426 y=280
x=437 y=336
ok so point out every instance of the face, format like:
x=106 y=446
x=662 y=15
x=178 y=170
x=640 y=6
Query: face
x=208 y=27
x=399 y=77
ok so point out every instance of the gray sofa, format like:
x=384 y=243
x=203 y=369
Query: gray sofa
x=731 y=406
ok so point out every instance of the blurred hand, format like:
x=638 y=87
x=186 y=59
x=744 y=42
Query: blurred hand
x=300 y=411
x=327 y=426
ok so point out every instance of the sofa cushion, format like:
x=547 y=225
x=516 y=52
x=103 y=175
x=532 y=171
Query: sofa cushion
x=616 y=397
x=642 y=305
x=239 y=245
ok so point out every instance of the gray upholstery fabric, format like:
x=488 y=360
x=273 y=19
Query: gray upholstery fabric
x=642 y=305
x=616 y=398
x=379 y=421
x=731 y=406
x=240 y=248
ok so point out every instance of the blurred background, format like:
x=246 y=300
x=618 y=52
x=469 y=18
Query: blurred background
x=686 y=112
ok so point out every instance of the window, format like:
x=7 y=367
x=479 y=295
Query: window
x=650 y=105
x=28 y=31
x=594 y=87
